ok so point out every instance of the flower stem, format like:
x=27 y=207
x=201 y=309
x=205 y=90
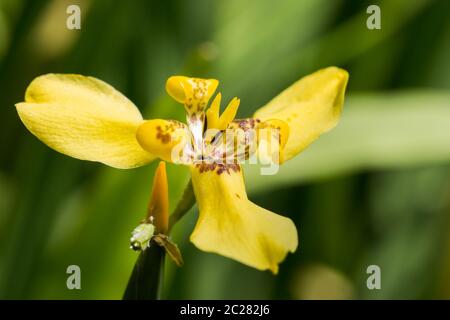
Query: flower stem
x=186 y=202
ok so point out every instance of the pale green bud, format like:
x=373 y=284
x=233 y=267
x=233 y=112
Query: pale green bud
x=141 y=236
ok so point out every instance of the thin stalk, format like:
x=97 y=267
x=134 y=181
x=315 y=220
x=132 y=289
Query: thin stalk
x=185 y=204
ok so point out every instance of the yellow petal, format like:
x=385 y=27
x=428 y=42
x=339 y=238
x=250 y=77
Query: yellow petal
x=231 y=225
x=311 y=106
x=273 y=135
x=212 y=114
x=166 y=139
x=229 y=113
x=84 y=118
x=221 y=122
x=193 y=92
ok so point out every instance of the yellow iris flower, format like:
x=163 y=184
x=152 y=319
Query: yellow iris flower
x=88 y=119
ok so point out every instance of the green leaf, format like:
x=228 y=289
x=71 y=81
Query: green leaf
x=376 y=131
x=147 y=277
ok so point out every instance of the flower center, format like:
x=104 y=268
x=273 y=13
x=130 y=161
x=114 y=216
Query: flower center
x=210 y=137
x=209 y=144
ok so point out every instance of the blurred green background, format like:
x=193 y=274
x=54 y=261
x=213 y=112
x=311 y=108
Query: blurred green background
x=375 y=190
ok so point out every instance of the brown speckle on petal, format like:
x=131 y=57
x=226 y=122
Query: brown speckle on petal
x=219 y=168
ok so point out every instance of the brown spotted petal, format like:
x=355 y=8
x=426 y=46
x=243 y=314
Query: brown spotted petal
x=169 y=140
x=194 y=93
x=252 y=139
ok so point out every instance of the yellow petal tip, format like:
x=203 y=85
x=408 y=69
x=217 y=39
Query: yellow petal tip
x=194 y=93
x=175 y=87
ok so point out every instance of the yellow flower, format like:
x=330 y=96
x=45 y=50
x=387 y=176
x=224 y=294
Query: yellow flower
x=88 y=119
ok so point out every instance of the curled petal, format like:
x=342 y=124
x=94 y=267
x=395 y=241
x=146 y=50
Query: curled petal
x=311 y=106
x=231 y=225
x=194 y=93
x=169 y=140
x=84 y=118
x=256 y=139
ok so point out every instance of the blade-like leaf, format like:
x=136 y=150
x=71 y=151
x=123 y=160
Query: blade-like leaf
x=147 y=277
x=377 y=131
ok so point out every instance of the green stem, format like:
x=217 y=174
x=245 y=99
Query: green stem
x=185 y=204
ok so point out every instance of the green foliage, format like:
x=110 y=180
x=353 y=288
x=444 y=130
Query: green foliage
x=377 y=131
